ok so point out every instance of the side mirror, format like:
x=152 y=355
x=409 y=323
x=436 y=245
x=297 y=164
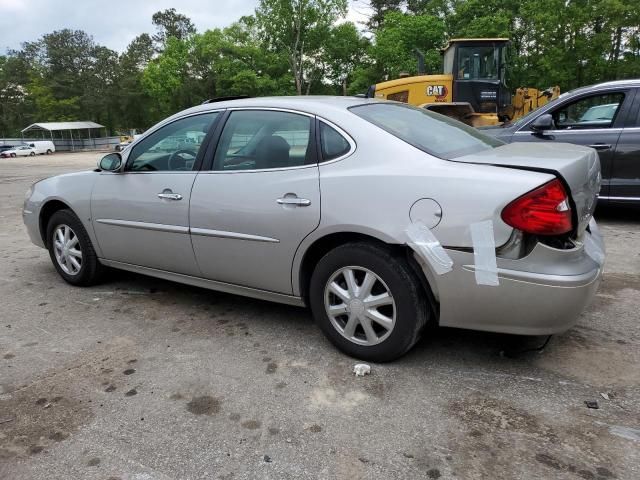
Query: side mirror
x=542 y=123
x=110 y=162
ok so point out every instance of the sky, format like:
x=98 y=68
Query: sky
x=114 y=23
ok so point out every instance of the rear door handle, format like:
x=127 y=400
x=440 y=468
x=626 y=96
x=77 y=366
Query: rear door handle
x=170 y=196
x=600 y=146
x=299 y=202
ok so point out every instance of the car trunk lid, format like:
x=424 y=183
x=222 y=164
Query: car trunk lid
x=577 y=166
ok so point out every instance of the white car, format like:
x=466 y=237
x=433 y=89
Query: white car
x=21 y=151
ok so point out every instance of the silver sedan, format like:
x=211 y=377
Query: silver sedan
x=378 y=216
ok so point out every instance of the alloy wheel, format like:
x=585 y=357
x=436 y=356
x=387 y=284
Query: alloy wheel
x=67 y=249
x=360 y=306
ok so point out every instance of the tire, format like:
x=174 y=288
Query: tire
x=13 y=155
x=409 y=310
x=90 y=271
x=32 y=154
x=49 y=152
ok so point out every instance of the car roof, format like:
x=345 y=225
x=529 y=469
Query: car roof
x=315 y=104
x=632 y=82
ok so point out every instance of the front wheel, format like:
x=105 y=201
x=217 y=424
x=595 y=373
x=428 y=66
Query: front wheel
x=71 y=250
x=49 y=152
x=32 y=154
x=13 y=155
x=368 y=301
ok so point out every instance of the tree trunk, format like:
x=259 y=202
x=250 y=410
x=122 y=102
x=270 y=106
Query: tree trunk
x=296 y=74
x=616 y=52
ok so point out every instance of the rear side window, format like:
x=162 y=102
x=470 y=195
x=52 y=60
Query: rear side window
x=264 y=139
x=333 y=144
x=431 y=132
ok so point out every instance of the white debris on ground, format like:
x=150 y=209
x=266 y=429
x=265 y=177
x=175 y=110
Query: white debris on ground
x=361 y=369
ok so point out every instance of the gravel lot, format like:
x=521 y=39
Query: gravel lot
x=140 y=378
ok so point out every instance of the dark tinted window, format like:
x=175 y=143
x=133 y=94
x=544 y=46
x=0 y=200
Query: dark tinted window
x=478 y=63
x=430 y=132
x=264 y=139
x=333 y=144
x=594 y=111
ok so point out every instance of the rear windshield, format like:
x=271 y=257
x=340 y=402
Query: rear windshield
x=430 y=132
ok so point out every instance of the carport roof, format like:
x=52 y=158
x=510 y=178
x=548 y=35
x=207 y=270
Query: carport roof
x=54 y=126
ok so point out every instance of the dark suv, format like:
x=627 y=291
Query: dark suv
x=605 y=117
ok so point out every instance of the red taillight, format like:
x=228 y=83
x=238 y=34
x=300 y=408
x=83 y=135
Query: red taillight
x=543 y=211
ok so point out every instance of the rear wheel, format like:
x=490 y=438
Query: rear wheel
x=368 y=301
x=32 y=154
x=71 y=250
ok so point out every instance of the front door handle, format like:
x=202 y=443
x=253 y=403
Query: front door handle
x=298 y=202
x=600 y=146
x=170 y=196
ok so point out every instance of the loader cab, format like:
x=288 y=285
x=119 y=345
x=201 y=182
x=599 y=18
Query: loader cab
x=478 y=68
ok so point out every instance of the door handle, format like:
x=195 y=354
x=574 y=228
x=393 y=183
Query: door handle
x=170 y=196
x=600 y=146
x=299 y=202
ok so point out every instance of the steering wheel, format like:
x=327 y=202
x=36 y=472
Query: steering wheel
x=175 y=156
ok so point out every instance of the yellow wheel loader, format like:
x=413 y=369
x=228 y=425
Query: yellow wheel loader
x=471 y=89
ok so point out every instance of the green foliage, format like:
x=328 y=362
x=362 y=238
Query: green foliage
x=306 y=46
x=299 y=29
x=400 y=35
x=171 y=24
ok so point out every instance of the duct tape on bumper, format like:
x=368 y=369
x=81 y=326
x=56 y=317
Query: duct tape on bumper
x=425 y=244
x=484 y=253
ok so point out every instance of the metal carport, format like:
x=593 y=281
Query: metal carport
x=61 y=127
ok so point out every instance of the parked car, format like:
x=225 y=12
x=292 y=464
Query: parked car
x=21 y=151
x=605 y=117
x=390 y=217
x=124 y=144
x=43 y=147
x=4 y=148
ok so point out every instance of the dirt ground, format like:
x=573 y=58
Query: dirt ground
x=143 y=379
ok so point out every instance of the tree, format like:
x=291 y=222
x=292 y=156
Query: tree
x=16 y=108
x=167 y=76
x=170 y=23
x=298 y=29
x=402 y=33
x=133 y=103
x=344 y=50
x=380 y=8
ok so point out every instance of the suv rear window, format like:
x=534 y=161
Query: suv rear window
x=431 y=132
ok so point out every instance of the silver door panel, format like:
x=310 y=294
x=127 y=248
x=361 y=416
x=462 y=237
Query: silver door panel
x=133 y=225
x=242 y=235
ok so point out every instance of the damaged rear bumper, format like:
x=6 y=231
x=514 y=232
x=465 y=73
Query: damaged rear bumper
x=540 y=294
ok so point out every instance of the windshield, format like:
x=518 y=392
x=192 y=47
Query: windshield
x=600 y=112
x=431 y=132
x=478 y=63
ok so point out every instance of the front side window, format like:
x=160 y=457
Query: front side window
x=595 y=111
x=478 y=63
x=431 y=132
x=263 y=139
x=173 y=147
